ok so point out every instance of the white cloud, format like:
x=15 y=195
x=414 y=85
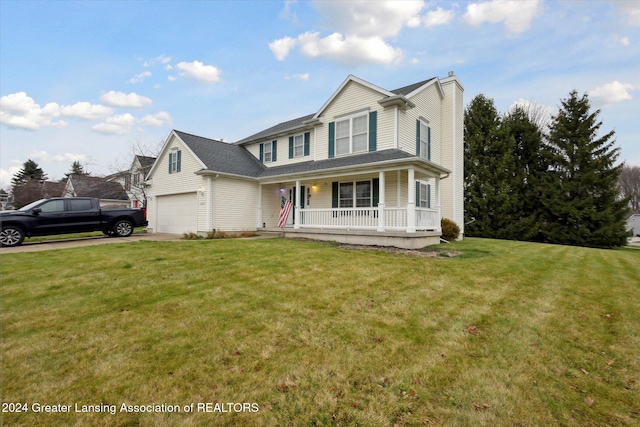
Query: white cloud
x=120 y=99
x=45 y=157
x=360 y=32
x=116 y=125
x=303 y=76
x=437 y=17
x=624 y=41
x=156 y=120
x=7 y=174
x=613 y=92
x=139 y=77
x=162 y=59
x=19 y=110
x=281 y=47
x=196 y=70
x=286 y=13
x=349 y=49
x=368 y=18
x=630 y=10
x=517 y=15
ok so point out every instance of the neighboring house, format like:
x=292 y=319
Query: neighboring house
x=371 y=166
x=132 y=179
x=111 y=194
x=633 y=224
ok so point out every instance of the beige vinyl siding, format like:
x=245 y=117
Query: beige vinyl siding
x=165 y=183
x=453 y=156
x=428 y=105
x=235 y=204
x=354 y=98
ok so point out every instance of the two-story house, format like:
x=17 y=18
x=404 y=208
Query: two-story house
x=371 y=166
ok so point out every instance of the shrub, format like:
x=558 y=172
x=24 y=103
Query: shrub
x=191 y=236
x=450 y=230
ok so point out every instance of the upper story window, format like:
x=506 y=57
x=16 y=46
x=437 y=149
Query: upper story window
x=298 y=146
x=423 y=140
x=352 y=135
x=268 y=152
x=175 y=161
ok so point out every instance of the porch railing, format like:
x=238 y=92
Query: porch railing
x=367 y=218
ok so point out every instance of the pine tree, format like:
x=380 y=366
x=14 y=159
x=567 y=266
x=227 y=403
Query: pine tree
x=530 y=165
x=30 y=172
x=581 y=199
x=488 y=150
x=76 y=169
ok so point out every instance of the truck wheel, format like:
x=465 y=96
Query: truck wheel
x=11 y=236
x=122 y=228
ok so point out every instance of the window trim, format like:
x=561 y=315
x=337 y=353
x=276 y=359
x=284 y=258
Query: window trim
x=265 y=152
x=350 y=118
x=354 y=193
x=425 y=140
x=300 y=146
x=427 y=199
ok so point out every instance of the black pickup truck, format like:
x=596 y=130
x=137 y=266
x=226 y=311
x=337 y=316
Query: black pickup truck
x=67 y=215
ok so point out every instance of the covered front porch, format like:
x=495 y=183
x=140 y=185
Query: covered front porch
x=395 y=206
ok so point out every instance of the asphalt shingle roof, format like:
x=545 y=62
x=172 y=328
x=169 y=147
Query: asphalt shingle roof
x=406 y=90
x=280 y=127
x=222 y=157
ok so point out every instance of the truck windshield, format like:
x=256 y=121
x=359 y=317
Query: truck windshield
x=31 y=205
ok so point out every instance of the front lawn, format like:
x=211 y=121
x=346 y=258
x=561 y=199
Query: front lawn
x=299 y=333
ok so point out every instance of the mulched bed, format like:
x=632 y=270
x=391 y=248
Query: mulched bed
x=424 y=253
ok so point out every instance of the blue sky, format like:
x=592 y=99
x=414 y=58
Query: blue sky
x=89 y=80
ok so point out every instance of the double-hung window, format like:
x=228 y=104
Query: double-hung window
x=425 y=149
x=268 y=147
x=352 y=134
x=424 y=200
x=361 y=198
x=298 y=146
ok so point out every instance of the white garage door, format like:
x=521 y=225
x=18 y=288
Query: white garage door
x=177 y=213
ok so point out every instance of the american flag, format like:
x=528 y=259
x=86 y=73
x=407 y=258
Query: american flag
x=285 y=208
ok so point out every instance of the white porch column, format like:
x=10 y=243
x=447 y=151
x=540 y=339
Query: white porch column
x=296 y=218
x=259 y=225
x=411 y=202
x=381 y=201
x=438 y=206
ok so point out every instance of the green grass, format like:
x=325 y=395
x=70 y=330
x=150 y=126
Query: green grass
x=508 y=334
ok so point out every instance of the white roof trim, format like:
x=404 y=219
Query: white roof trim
x=426 y=85
x=349 y=79
x=167 y=142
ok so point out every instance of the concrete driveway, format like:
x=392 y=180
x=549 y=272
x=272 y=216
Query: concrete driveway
x=87 y=241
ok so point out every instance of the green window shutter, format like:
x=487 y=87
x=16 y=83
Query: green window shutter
x=179 y=153
x=332 y=139
x=170 y=158
x=429 y=196
x=418 y=193
x=307 y=139
x=375 y=192
x=334 y=194
x=261 y=153
x=429 y=143
x=274 y=150
x=373 y=127
x=418 y=138
x=303 y=196
x=291 y=147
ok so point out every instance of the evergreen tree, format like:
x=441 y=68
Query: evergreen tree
x=30 y=172
x=28 y=184
x=581 y=198
x=530 y=166
x=76 y=169
x=489 y=197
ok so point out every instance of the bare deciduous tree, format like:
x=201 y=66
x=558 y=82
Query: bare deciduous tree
x=629 y=183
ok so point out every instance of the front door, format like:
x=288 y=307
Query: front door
x=292 y=197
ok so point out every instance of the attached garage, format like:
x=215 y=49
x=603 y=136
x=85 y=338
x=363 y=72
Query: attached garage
x=177 y=213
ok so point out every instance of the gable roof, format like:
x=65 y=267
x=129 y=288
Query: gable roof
x=279 y=128
x=93 y=186
x=222 y=157
x=393 y=97
x=145 y=161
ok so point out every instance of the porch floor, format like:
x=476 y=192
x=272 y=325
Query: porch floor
x=398 y=239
